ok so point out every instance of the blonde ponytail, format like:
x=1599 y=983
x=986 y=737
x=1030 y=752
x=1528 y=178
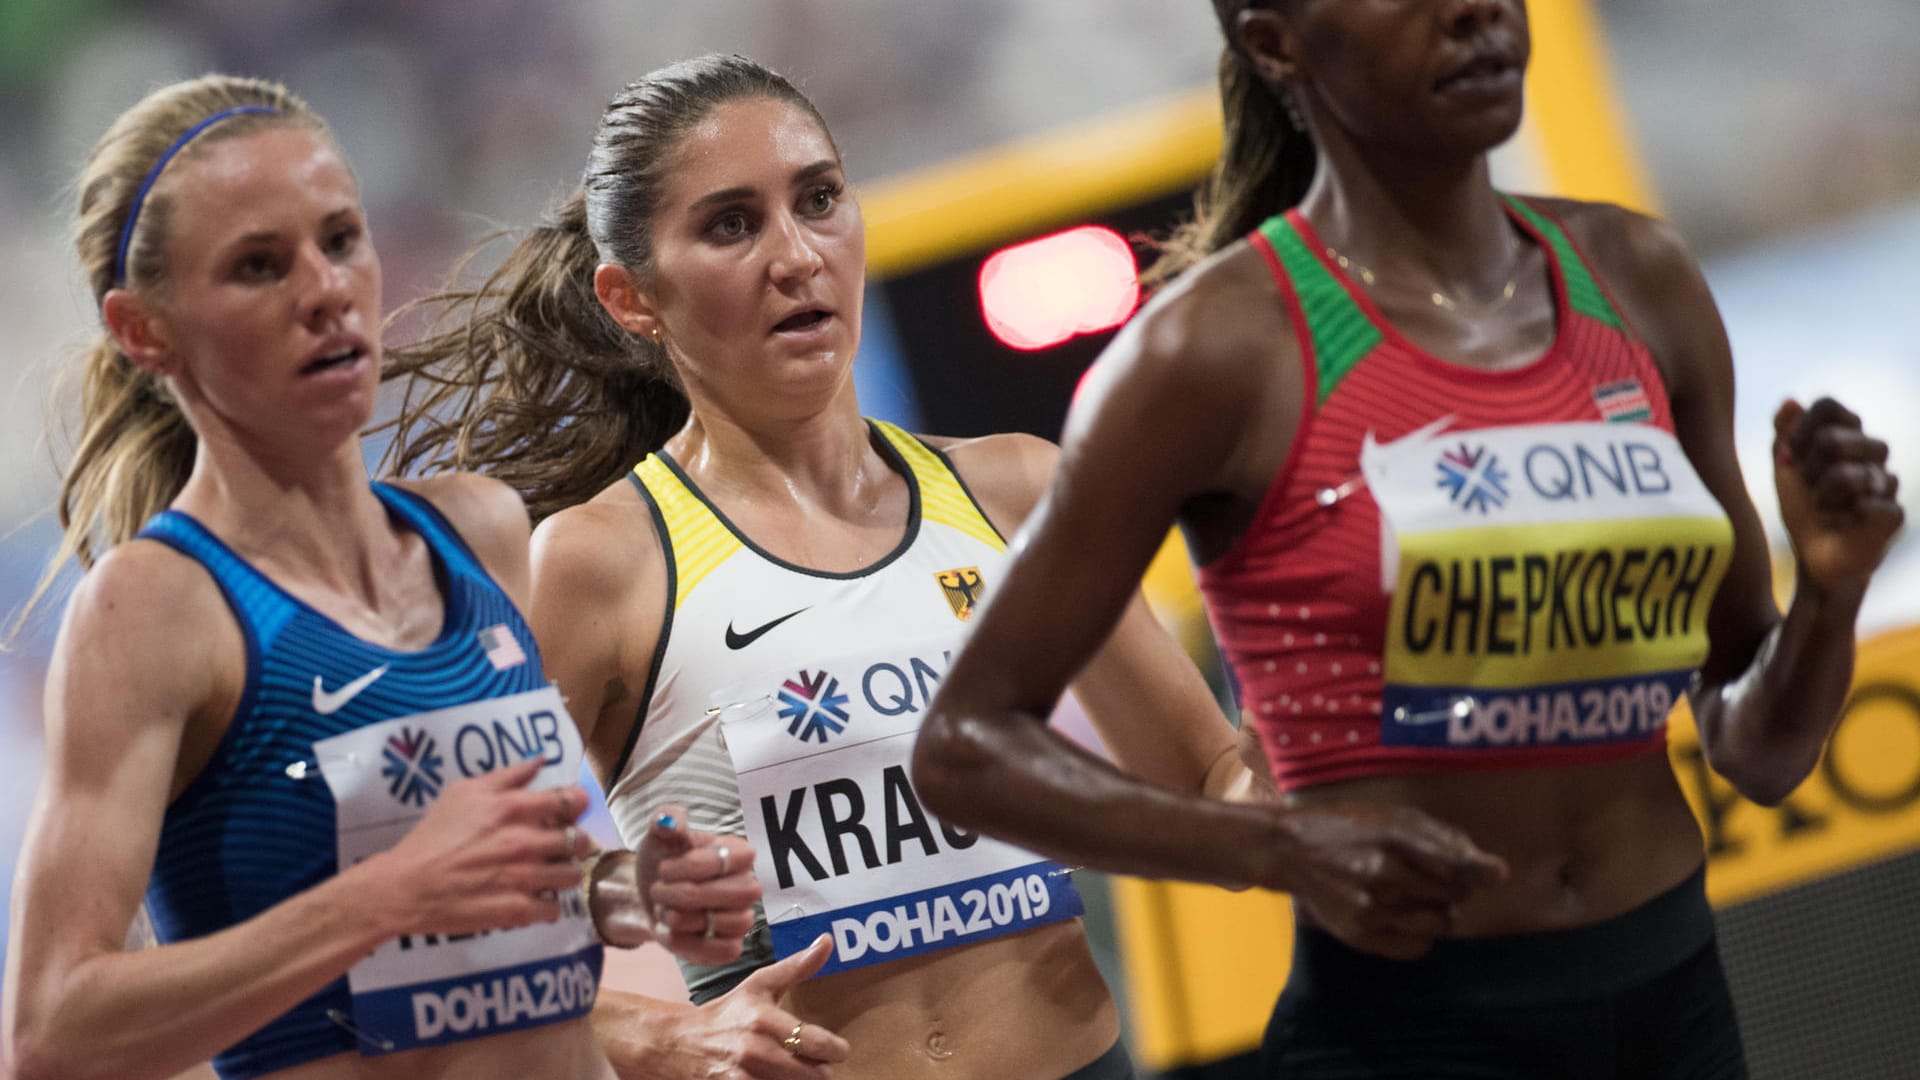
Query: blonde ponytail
x=135 y=449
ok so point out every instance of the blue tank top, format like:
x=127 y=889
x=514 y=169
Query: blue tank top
x=257 y=826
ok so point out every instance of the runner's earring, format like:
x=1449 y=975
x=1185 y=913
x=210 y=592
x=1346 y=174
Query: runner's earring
x=1290 y=105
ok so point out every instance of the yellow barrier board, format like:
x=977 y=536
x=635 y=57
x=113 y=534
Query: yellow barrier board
x=1204 y=966
x=1039 y=182
x=1862 y=802
x=1574 y=117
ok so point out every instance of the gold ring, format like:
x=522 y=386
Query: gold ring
x=792 y=1042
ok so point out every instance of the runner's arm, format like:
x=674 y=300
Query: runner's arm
x=1770 y=692
x=1157 y=423
x=593 y=610
x=122 y=686
x=1142 y=693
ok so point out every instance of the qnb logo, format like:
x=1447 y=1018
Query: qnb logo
x=1473 y=478
x=412 y=766
x=813 y=706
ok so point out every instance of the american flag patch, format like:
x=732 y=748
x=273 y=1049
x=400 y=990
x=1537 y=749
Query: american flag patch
x=1623 y=401
x=502 y=648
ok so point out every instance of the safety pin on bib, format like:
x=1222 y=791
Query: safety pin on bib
x=1326 y=497
x=1459 y=710
x=306 y=767
x=718 y=709
x=378 y=1042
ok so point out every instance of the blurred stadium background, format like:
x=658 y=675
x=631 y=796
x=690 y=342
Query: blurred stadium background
x=1783 y=138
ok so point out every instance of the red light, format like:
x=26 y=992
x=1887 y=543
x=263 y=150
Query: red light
x=1040 y=293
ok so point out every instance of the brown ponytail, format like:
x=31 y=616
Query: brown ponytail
x=135 y=449
x=1266 y=163
x=527 y=378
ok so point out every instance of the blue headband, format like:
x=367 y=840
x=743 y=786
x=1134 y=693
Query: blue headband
x=140 y=197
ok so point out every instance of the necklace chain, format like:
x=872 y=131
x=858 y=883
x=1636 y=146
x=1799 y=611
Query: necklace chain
x=1439 y=299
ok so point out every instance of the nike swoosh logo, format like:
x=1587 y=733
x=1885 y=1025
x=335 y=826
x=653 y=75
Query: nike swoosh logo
x=1369 y=446
x=741 y=641
x=326 y=704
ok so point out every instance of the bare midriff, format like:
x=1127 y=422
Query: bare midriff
x=1582 y=844
x=1029 y=1006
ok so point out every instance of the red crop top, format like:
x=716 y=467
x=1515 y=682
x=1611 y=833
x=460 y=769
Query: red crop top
x=1460 y=568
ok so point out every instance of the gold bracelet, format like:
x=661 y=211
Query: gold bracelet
x=587 y=867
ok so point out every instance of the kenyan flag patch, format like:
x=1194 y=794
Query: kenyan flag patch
x=1623 y=401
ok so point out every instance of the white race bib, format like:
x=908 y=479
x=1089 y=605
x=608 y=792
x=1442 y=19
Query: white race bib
x=425 y=990
x=844 y=846
x=1550 y=582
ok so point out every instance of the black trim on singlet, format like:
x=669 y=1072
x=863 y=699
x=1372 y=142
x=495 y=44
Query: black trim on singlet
x=894 y=461
x=666 y=629
x=946 y=461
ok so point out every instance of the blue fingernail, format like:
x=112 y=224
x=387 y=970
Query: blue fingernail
x=666 y=821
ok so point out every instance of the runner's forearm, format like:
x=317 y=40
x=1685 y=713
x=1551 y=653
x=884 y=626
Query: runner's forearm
x=1023 y=782
x=635 y=1031
x=1765 y=729
x=157 y=1011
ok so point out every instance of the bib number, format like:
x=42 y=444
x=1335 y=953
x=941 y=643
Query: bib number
x=429 y=989
x=844 y=846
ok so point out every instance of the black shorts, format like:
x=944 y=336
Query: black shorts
x=1112 y=1065
x=1638 y=997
